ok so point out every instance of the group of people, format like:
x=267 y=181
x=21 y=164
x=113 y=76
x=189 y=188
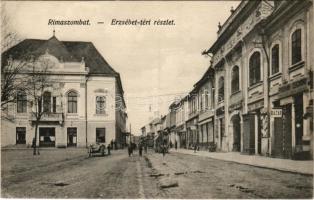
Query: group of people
x=132 y=147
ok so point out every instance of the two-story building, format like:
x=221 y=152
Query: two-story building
x=264 y=79
x=205 y=88
x=82 y=105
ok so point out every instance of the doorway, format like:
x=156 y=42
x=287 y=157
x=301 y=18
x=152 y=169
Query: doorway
x=236 y=133
x=298 y=107
x=72 y=137
x=47 y=137
x=20 y=135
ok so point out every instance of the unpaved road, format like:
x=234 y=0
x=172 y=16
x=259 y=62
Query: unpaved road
x=115 y=176
x=71 y=174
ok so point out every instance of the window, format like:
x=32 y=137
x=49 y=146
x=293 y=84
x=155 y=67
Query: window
x=21 y=102
x=54 y=104
x=206 y=98
x=20 y=135
x=100 y=105
x=47 y=102
x=222 y=127
x=275 y=59
x=296 y=48
x=201 y=100
x=255 y=68
x=100 y=135
x=221 y=89
x=235 y=79
x=72 y=102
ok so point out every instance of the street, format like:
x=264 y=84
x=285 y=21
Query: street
x=69 y=173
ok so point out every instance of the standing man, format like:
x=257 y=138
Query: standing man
x=163 y=150
x=130 y=149
x=176 y=145
x=145 y=148
x=111 y=143
x=108 y=148
x=140 y=149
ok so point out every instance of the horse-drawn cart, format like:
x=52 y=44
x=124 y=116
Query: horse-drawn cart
x=96 y=149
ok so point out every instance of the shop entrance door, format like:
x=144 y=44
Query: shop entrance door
x=47 y=137
x=298 y=107
x=249 y=133
x=72 y=137
x=282 y=134
x=236 y=133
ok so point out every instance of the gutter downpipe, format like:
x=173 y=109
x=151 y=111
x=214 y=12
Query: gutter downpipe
x=86 y=109
x=268 y=87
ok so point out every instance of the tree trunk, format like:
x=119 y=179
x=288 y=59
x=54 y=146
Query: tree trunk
x=35 y=144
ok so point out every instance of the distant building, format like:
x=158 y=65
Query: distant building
x=83 y=105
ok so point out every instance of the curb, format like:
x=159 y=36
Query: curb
x=259 y=166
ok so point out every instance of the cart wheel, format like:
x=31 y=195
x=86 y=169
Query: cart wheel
x=89 y=152
x=102 y=151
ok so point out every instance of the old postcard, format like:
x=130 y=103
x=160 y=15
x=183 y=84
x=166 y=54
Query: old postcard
x=157 y=99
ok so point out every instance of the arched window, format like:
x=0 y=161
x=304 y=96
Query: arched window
x=255 y=68
x=275 y=59
x=21 y=102
x=47 y=102
x=221 y=90
x=296 y=46
x=235 y=79
x=72 y=102
x=100 y=105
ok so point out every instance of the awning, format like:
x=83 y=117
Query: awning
x=205 y=121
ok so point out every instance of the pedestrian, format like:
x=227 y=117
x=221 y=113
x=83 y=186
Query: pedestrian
x=130 y=149
x=163 y=150
x=195 y=147
x=176 y=145
x=140 y=149
x=111 y=143
x=108 y=147
x=145 y=148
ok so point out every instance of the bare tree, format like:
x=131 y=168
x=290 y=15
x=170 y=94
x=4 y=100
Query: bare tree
x=12 y=81
x=38 y=82
x=10 y=70
x=9 y=37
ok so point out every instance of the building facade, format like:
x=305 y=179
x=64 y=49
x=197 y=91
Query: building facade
x=257 y=95
x=82 y=105
x=264 y=79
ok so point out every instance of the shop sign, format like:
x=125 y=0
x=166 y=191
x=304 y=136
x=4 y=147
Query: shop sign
x=295 y=87
x=220 y=111
x=255 y=106
x=276 y=112
x=236 y=106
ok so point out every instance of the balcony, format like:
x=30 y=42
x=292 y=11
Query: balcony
x=49 y=117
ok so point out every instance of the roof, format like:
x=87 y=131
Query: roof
x=155 y=121
x=69 y=51
x=241 y=13
x=210 y=72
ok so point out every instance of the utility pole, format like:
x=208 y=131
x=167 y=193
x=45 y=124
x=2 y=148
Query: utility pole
x=130 y=133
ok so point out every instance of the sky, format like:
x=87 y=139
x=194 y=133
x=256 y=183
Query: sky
x=157 y=64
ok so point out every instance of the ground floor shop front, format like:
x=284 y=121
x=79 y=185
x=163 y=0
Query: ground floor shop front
x=50 y=134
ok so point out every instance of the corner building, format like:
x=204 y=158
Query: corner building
x=84 y=103
x=263 y=61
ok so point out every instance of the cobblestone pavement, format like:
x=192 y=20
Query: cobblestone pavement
x=201 y=177
x=73 y=175
x=69 y=173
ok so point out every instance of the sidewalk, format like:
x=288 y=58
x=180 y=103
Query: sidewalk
x=296 y=166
